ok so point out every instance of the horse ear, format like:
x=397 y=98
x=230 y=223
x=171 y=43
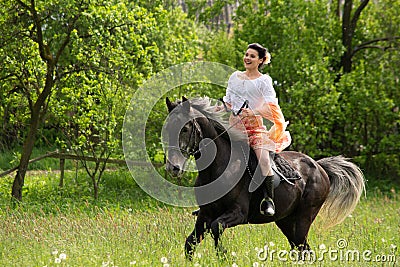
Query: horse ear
x=169 y=104
x=186 y=105
x=184 y=99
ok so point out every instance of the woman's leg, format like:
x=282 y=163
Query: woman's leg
x=264 y=161
x=267 y=206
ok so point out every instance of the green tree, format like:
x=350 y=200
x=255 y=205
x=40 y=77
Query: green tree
x=77 y=53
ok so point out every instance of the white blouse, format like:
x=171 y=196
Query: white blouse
x=257 y=91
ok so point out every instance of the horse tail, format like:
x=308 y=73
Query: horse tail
x=347 y=186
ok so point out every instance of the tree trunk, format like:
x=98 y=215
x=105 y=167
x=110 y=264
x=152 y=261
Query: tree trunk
x=30 y=139
x=24 y=161
x=349 y=24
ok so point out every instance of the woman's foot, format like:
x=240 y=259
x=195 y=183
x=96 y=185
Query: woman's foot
x=267 y=207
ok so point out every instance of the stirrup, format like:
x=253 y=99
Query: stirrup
x=270 y=211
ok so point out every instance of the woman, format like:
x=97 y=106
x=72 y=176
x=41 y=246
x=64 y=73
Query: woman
x=257 y=89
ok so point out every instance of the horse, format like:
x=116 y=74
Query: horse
x=331 y=186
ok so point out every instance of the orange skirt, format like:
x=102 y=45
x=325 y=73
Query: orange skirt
x=259 y=136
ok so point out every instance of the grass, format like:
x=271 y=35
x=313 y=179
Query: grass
x=126 y=227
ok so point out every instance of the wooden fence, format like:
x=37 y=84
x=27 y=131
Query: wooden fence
x=64 y=156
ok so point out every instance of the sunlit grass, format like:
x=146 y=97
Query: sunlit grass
x=125 y=227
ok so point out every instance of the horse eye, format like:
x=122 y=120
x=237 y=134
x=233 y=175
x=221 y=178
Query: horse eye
x=185 y=129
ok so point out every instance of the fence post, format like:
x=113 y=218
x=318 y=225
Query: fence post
x=62 y=165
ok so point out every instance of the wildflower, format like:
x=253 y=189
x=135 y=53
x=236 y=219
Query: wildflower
x=322 y=247
x=132 y=263
x=271 y=244
x=256 y=264
x=63 y=256
x=234 y=254
x=235 y=265
x=54 y=252
x=57 y=260
x=197 y=255
x=164 y=260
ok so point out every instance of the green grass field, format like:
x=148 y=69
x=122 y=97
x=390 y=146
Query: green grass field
x=126 y=227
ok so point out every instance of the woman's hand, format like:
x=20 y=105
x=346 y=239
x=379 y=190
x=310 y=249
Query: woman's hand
x=218 y=108
x=246 y=112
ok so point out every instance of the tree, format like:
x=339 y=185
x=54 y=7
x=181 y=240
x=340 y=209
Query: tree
x=30 y=23
x=349 y=27
x=76 y=52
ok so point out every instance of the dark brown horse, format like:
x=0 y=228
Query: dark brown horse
x=331 y=186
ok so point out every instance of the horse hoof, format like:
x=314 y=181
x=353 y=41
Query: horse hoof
x=196 y=212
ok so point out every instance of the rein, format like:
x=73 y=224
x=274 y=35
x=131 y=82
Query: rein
x=245 y=105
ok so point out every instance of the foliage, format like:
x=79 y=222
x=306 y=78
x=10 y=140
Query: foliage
x=87 y=59
x=354 y=114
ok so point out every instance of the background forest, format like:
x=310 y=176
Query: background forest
x=69 y=69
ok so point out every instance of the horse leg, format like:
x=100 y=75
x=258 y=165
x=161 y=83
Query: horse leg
x=195 y=238
x=237 y=215
x=288 y=228
x=297 y=226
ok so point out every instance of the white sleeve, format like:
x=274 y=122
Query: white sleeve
x=268 y=91
x=228 y=94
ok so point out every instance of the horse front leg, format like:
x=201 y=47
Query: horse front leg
x=195 y=238
x=231 y=218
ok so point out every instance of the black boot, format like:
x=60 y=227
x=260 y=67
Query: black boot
x=267 y=206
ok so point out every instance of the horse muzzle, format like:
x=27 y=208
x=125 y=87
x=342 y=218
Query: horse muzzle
x=174 y=169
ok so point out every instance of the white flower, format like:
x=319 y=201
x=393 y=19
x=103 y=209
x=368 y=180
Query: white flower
x=322 y=247
x=267 y=58
x=54 y=252
x=166 y=265
x=271 y=244
x=132 y=263
x=256 y=264
x=234 y=254
x=57 y=260
x=164 y=260
x=63 y=256
x=235 y=265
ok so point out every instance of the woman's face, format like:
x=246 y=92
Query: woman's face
x=251 y=59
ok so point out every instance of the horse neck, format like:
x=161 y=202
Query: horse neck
x=221 y=158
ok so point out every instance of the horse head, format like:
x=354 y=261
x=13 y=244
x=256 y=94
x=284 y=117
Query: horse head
x=183 y=133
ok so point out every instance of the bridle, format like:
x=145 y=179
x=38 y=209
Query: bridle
x=191 y=149
x=196 y=130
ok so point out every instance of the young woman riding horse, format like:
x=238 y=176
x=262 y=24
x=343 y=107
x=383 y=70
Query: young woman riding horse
x=333 y=185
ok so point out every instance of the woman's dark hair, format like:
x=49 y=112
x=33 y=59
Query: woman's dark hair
x=262 y=52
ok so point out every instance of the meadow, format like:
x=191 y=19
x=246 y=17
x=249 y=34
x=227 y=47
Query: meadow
x=65 y=226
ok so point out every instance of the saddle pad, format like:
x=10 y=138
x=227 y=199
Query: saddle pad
x=283 y=166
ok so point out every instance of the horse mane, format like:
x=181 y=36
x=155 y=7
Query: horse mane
x=219 y=119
